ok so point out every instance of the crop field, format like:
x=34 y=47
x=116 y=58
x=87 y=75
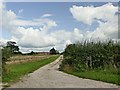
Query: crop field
x=26 y=58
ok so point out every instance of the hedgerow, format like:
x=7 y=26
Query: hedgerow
x=90 y=55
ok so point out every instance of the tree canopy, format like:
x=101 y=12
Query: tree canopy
x=13 y=46
x=53 y=51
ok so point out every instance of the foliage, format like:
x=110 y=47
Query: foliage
x=99 y=75
x=92 y=55
x=53 y=51
x=31 y=53
x=6 y=53
x=84 y=59
x=13 y=46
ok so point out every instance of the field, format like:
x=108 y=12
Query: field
x=17 y=70
x=25 y=58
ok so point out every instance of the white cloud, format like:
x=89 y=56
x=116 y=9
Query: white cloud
x=84 y=14
x=26 y=50
x=7 y=18
x=35 y=22
x=77 y=34
x=106 y=17
x=10 y=21
x=31 y=39
x=46 y=15
x=61 y=35
x=90 y=13
x=3 y=42
x=34 y=38
x=49 y=25
x=20 y=11
x=68 y=42
x=1 y=5
x=27 y=37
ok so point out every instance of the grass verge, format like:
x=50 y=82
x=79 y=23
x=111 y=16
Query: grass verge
x=97 y=75
x=18 y=70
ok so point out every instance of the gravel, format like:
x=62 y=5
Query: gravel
x=48 y=76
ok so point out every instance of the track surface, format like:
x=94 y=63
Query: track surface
x=48 y=76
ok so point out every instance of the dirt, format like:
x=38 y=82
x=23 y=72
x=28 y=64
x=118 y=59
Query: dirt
x=49 y=77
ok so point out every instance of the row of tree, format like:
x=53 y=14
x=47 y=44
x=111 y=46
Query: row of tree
x=52 y=51
x=92 y=55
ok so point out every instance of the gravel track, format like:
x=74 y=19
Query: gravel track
x=48 y=76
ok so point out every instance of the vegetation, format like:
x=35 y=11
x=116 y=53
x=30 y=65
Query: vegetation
x=14 y=48
x=92 y=60
x=31 y=53
x=53 y=51
x=100 y=75
x=20 y=69
x=11 y=49
x=12 y=72
x=7 y=52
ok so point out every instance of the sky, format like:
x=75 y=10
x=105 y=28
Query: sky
x=40 y=26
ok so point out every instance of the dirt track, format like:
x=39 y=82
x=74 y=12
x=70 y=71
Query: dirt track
x=49 y=77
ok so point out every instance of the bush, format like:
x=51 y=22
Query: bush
x=92 y=55
x=6 y=53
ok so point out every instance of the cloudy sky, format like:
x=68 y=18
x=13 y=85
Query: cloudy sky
x=39 y=26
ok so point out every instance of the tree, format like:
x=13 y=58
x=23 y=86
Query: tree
x=13 y=46
x=6 y=53
x=57 y=52
x=31 y=53
x=52 y=51
x=11 y=43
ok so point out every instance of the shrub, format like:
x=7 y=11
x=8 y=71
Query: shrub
x=92 y=55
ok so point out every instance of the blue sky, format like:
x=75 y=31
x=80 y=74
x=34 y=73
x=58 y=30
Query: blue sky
x=59 y=10
x=59 y=13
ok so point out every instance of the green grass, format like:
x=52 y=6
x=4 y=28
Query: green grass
x=100 y=75
x=18 y=70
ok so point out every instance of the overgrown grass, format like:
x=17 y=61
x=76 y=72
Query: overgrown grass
x=100 y=75
x=18 y=70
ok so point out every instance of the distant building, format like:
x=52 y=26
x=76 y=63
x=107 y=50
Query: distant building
x=43 y=53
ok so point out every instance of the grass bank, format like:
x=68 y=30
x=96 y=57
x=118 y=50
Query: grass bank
x=20 y=69
x=98 y=75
